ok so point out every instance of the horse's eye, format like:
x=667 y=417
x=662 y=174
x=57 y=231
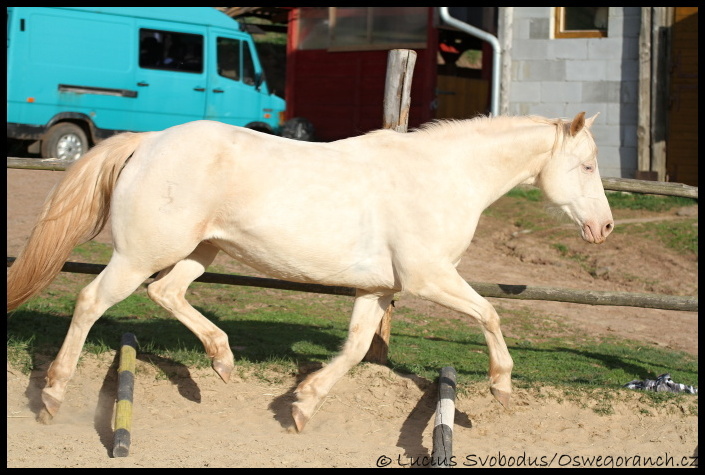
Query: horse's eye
x=588 y=168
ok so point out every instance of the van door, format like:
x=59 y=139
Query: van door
x=234 y=95
x=171 y=77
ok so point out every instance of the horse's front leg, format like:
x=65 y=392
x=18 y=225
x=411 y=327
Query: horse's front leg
x=367 y=313
x=447 y=288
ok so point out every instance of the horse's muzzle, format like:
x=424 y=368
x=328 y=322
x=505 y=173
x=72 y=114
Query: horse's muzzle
x=597 y=233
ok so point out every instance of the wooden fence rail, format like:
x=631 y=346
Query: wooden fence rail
x=650 y=187
x=611 y=184
x=504 y=291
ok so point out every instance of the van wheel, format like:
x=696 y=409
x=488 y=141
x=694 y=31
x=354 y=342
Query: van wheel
x=298 y=128
x=65 y=140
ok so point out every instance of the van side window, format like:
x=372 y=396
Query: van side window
x=171 y=51
x=229 y=58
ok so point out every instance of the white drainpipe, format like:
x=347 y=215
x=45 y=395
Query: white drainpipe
x=496 y=56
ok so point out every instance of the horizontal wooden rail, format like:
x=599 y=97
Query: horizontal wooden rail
x=650 y=187
x=611 y=184
x=521 y=292
x=51 y=164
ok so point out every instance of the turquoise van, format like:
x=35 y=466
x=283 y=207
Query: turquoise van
x=77 y=75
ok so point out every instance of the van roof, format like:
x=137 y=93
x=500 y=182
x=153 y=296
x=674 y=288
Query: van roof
x=194 y=15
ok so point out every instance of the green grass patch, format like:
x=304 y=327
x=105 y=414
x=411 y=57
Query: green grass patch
x=526 y=193
x=548 y=353
x=640 y=201
x=680 y=235
x=298 y=333
x=521 y=205
x=616 y=199
x=94 y=252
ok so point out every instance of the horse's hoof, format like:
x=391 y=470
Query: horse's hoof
x=224 y=370
x=45 y=417
x=51 y=407
x=300 y=419
x=501 y=396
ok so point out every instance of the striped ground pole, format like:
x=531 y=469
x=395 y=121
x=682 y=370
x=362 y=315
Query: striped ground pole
x=445 y=415
x=126 y=386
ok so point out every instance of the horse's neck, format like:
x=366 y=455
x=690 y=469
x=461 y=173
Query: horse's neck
x=497 y=162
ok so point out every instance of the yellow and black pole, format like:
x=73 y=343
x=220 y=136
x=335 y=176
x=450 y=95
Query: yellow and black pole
x=126 y=386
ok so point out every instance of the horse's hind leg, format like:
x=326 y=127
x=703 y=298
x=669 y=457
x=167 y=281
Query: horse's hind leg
x=446 y=287
x=367 y=313
x=169 y=289
x=117 y=281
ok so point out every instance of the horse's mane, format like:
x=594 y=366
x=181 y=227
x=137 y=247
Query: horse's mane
x=481 y=122
x=484 y=120
x=437 y=125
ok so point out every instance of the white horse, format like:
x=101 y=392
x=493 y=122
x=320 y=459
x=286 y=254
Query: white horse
x=382 y=212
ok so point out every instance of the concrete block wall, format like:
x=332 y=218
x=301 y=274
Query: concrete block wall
x=559 y=77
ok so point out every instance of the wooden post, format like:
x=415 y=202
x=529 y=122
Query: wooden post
x=661 y=23
x=397 y=102
x=397 y=89
x=643 y=130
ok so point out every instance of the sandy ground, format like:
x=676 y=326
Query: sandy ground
x=374 y=417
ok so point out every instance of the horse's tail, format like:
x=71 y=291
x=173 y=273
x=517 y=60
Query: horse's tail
x=75 y=212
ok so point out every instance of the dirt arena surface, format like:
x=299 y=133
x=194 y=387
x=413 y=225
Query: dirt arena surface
x=373 y=416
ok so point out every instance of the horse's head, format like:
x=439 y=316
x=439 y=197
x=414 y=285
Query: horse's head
x=571 y=179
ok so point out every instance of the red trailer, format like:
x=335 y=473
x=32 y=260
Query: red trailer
x=337 y=64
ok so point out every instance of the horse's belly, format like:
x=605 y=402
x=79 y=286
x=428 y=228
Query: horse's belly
x=312 y=263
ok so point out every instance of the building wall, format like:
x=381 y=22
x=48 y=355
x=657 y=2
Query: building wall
x=561 y=77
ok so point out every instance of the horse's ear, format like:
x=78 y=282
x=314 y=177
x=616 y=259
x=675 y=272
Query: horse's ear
x=591 y=120
x=577 y=124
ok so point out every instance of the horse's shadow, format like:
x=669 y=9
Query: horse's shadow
x=103 y=414
x=411 y=433
x=281 y=405
x=177 y=373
